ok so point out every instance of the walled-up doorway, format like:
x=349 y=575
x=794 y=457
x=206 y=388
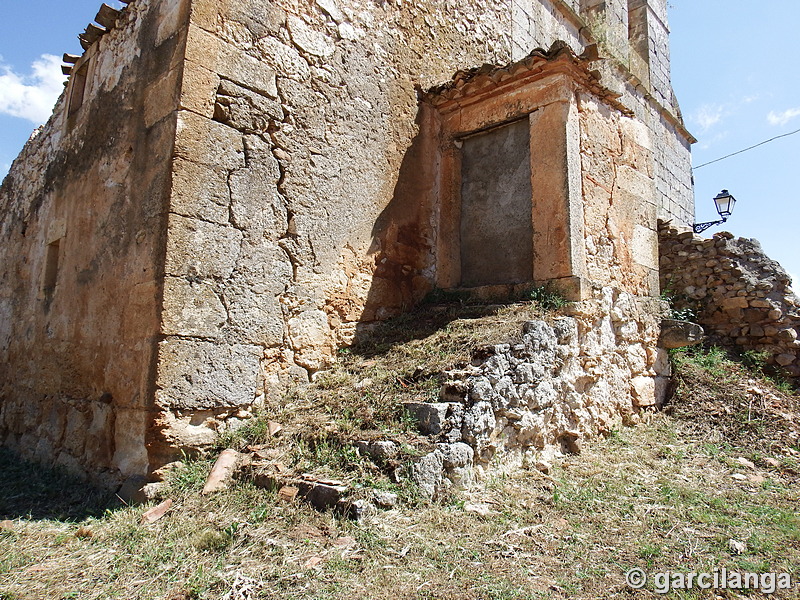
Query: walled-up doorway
x=496 y=228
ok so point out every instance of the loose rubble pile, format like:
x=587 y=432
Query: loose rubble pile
x=742 y=297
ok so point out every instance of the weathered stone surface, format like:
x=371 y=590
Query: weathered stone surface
x=308 y=39
x=479 y=423
x=255 y=316
x=85 y=203
x=256 y=207
x=200 y=375
x=428 y=473
x=201 y=249
x=208 y=142
x=221 y=474
x=565 y=383
x=457 y=461
x=308 y=333
x=192 y=309
x=743 y=298
x=677 y=334
x=201 y=191
x=379 y=449
x=384 y=499
x=643 y=391
x=268 y=170
x=735 y=302
x=245 y=110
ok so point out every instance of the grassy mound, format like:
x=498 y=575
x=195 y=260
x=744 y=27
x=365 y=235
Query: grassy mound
x=710 y=483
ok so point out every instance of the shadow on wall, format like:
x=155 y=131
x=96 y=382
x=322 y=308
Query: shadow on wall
x=405 y=248
x=402 y=254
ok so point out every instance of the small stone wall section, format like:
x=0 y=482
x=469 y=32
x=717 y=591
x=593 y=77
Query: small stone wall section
x=574 y=379
x=742 y=297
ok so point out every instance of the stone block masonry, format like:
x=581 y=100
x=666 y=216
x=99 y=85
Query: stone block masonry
x=83 y=221
x=229 y=190
x=742 y=297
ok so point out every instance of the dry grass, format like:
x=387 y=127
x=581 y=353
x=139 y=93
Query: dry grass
x=361 y=396
x=668 y=494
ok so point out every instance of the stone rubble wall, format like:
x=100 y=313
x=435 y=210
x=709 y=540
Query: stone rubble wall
x=742 y=297
x=564 y=382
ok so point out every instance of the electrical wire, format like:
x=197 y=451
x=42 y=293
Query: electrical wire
x=711 y=162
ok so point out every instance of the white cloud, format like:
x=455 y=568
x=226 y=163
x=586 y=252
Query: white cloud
x=782 y=118
x=31 y=96
x=709 y=115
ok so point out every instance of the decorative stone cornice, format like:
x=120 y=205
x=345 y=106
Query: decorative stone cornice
x=493 y=79
x=105 y=20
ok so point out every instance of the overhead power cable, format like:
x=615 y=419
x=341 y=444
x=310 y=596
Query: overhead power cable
x=777 y=137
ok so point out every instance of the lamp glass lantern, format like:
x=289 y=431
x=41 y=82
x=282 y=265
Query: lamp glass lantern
x=724 y=202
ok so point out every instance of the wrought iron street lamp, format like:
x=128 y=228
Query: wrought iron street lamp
x=724 y=203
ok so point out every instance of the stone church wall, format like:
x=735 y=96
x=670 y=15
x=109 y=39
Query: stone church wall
x=240 y=194
x=317 y=108
x=83 y=217
x=307 y=225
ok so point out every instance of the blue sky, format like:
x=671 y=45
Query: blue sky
x=735 y=72
x=733 y=68
x=33 y=36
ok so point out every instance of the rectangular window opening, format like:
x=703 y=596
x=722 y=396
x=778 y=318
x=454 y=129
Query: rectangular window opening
x=78 y=88
x=51 y=269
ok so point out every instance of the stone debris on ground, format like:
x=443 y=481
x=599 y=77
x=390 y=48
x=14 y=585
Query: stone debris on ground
x=737 y=547
x=288 y=493
x=222 y=472
x=243 y=588
x=154 y=514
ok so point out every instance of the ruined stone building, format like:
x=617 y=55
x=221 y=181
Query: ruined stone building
x=229 y=190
